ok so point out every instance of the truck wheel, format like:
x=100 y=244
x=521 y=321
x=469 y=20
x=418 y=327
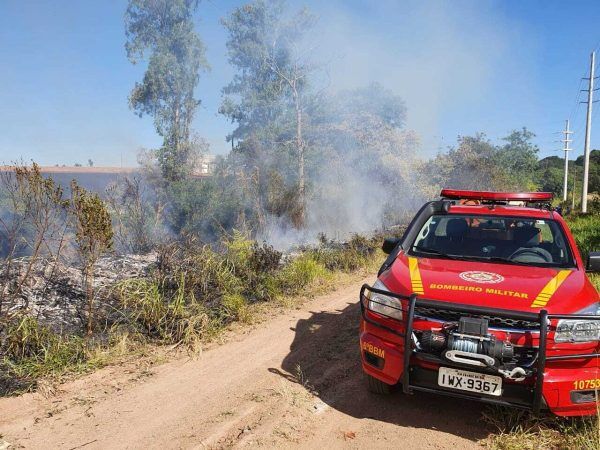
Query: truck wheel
x=377 y=386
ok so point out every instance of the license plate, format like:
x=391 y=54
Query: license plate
x=470 y=381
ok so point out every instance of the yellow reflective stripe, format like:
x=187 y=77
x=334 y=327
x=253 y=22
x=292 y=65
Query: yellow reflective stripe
x=546 y=294
x=415 y=276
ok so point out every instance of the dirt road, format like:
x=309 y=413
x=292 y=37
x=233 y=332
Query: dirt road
x=293 y=381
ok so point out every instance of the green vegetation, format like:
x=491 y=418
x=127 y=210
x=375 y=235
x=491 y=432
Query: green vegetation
x=476 y=163
x=550 y=172
x=32 y=351
x=93 y=237
x=586 y=230
x=165 y=31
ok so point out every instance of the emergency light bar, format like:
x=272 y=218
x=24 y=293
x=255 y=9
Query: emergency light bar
x=531 y=197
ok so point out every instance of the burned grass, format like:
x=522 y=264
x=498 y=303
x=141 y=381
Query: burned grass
x=193 y=294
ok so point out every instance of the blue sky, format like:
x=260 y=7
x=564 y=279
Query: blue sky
x=461 y=66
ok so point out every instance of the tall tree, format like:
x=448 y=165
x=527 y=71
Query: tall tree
x=164 y=30
x=518 y=157
x=475 y=163
x=267 y=96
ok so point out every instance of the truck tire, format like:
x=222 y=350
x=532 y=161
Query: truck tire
x=377 y=386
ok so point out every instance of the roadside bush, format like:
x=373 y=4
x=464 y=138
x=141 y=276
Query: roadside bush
x=204 y=272
x=299 y=273
x=586 y=230
x=33 y=214
x=32 y=350
x=594 y=205
x=259 y=280
x=167 y=317
x=346 y=257
x=234 y=307
x=137 y=215
x=196 y=289
x=242 y=267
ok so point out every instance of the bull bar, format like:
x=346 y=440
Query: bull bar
x=542 y=318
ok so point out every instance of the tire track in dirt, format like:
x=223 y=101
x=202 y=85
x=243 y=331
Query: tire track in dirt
x=294 y=380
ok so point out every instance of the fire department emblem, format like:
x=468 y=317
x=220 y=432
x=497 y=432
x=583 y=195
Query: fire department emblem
x=477 y=276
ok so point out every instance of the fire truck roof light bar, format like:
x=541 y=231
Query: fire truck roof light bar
x=532 y=197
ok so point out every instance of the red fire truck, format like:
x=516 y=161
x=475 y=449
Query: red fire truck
x=486 y=297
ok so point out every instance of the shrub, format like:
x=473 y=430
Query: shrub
x=243 y=267
x=234 y=307
x=299 y=273
x=205 y=272
x=346 y=257
x=93 y=236
x=32 y=219
x=194 y=291
x=33 y=350
x=137 y=215
x=168 y=317
x=255 y=266
x=586 y=230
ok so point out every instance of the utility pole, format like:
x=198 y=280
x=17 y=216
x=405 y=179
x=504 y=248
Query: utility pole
x=566 y=148
x=588 y=130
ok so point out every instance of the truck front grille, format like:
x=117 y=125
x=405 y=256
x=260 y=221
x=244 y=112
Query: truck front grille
x=494 y=322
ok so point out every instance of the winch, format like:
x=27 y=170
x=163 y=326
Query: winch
x=468 y=342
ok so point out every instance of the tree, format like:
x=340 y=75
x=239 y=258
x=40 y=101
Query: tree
x=267 y=96
x=476 y=163
x=470 y=165
x=165 y=30
x=32 y=222
x=518 y=159
x=93 y=236
x=136 y=215
x=361 y=159
x=551 y=180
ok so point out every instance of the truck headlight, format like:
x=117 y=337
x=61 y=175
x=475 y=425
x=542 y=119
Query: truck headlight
x=384 y=304
x=568 y=330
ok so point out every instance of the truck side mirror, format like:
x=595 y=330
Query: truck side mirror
x=389 y=244
x=593 y=263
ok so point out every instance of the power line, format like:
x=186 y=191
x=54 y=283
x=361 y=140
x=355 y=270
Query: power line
x=577 y=104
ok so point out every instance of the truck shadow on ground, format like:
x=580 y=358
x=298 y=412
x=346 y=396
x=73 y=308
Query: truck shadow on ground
x=324 y=357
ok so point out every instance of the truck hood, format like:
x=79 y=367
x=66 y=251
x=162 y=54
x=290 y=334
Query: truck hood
x=505 y=286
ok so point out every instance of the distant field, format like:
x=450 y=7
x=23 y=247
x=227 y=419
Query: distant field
x=92 y=178
x=75 y=169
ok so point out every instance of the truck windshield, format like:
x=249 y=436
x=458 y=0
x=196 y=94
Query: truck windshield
x=510 y=240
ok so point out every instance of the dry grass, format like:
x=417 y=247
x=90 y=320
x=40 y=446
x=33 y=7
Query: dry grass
x=517 y=430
